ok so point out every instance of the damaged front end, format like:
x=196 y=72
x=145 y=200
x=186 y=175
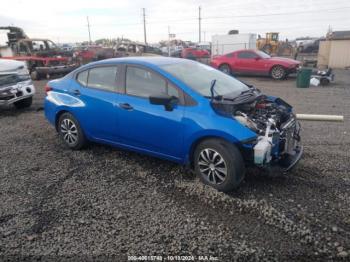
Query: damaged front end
x=15 y=82
x=277 y=146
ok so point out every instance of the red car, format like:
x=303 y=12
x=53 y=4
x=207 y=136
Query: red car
x=90 y=53
x=193 y=53
x=255 y=63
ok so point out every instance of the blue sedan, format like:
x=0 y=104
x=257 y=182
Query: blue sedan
x=179 y=110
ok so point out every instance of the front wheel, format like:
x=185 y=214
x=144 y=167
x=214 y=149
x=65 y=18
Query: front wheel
x=278 y=73
x=219 y=164
x=70 y=132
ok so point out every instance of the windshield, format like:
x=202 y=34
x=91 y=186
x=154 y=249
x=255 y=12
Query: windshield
x=262 y=54
x=199 y=77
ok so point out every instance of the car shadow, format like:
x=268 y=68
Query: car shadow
x=12 y=111
x=168 y=171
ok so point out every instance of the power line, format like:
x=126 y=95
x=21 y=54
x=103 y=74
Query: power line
x=181 y=21
x=272 y=14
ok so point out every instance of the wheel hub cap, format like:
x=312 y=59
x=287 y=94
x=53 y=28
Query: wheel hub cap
x=69 y=131
x=212 y=166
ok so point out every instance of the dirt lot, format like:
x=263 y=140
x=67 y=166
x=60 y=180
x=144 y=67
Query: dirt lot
x=107 y=203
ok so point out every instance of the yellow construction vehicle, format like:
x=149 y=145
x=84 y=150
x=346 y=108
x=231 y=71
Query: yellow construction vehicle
x=272 y=45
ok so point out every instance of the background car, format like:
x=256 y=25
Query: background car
x=16 y=87
x=176 y=109
x=254 y=62
x=194 y=53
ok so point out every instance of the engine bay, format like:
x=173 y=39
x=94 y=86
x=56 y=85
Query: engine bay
x=271 y=118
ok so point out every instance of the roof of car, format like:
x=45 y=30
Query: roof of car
x=153 y=60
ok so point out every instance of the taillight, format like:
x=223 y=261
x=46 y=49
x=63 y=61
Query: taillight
x=47 y=88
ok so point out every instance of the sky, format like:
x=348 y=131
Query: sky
x=65 y=21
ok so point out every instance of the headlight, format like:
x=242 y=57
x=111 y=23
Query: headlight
x=22 y=71
x=24 y=77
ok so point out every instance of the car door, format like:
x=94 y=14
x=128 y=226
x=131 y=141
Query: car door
x=97 y=88
x=249 y=62
x=146 y=126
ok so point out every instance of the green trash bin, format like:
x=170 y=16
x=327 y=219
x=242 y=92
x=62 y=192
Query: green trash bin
x=303 y=77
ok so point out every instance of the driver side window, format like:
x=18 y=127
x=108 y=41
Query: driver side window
x=246 y=55
x=145 y=83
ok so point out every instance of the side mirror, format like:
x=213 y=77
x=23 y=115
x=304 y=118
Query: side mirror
x=163 y=99
x=257 y=58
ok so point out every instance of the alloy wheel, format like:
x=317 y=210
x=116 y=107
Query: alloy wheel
x=225 y=69
x=277 y=72
x=69 y=131
x=212 y=166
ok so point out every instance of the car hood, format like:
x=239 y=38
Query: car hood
x=7 y=65
x=284 y=60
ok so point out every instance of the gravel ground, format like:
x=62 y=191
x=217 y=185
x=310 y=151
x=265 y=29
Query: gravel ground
x=106 y=204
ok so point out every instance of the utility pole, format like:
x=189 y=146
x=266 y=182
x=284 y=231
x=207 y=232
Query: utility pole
x=144 y=24
x=88 y=24
x=168 y=40
x=199 y=23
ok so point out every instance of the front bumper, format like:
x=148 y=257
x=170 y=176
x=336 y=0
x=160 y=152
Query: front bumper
x=292 y=151
x=14 y=93
x=293 y=70
x=286 y=164
x=285 y=153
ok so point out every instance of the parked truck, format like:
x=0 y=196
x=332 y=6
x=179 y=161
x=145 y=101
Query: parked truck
x=42 y=56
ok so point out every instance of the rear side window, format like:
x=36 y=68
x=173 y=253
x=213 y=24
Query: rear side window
x=144 y=83
x=103 y=78
x=83 y=77
x=246 y=55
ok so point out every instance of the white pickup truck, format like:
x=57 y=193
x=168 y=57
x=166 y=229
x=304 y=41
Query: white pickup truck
x=16 y=86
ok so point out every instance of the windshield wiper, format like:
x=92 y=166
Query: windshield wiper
x=251 y=91
x=212 y=90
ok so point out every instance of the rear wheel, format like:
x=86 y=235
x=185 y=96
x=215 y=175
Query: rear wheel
x=24 y=103
x=225 y=69
x=324 y=82
x=219 y=164
x=278 y=72
x=70 y=131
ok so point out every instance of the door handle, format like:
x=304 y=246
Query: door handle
x=125 y=106
x=76 y=92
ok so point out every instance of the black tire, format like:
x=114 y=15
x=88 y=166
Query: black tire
x=225 y=68
x=278 y=72
x=24 y=103
x=232 y=162
x=324 y=82
x=70 y=132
